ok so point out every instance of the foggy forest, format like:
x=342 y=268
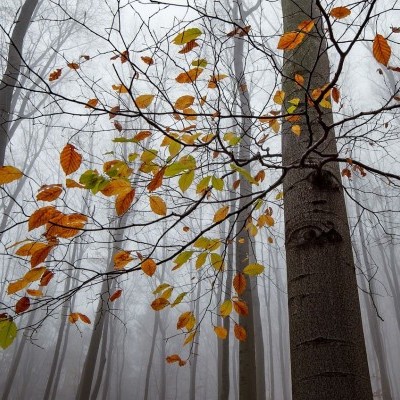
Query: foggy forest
x=200 y=200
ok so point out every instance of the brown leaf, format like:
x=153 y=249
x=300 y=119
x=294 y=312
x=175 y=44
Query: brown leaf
x=239 y=283
x=189 y=76
x=73 y=66
x=55 y=74
x=240 y=307
x=147 y=60
x=149 y=267
x=46 y=278
x=70 y=159
x=381 y=50
x=240 y=332
x=156 y=182
x=42 y=216
x=22 y=305
x=113 y=112
x=49 y=192
x=92 y=103
x=340 y=12
x=122 y=258
x=188 y=47
x=118 y=126
x=9 y=174
x=116 y=295
x=84 y=318
x=159 y=303
x=124 y=201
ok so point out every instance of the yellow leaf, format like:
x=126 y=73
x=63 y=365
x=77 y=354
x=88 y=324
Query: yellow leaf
x=381 y=49
x=187 y=36
x=240 y=332
x=158 y=205
x=116 y=187
x=189 y=76
x=221 y=214
x=73 y=317
x=34 y=274
x=253 y=269
x=120 y=88
x=279 y=196
x=290 y=40
x=179 y=299
x=184 y=102
x=340 y=12
x=9 y=174
x=279 y=97
x=166 y=294
x=159 y=304
x=122 y=258
x=189 y=338
x=306 y=26
x=226 y=308
x=221 y=332
x=144 y=100
x=149 y=267
x=161 y=287
x=296 y=129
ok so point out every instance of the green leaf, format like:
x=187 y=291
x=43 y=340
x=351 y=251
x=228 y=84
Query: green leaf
x=201 y=259
x=217 y=183
x=186 y=180
x=8 y=333
x=203 y=184
x=201 y=62
x=254 y=269
x=244 y=173
x=183 y=257
x=175 y=169
x=179 y=299
x=216 y=261
x=187 y=36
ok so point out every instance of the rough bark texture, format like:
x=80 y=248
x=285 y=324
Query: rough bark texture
x=328 y=354
x=10 y=78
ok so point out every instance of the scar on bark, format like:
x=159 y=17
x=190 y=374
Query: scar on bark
x=315 y=233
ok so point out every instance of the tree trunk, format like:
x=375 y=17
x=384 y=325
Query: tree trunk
x=10 y=77
x=328 y=354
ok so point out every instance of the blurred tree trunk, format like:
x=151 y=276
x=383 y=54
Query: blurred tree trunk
x=328 y=356
x=9 y=80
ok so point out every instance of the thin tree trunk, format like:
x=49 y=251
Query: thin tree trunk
x=10 y=78
x=328 y=353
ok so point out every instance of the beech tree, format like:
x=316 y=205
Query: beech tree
x=174 y=132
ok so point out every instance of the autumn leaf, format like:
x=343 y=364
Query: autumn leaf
x=239 y=283
x=306 y=26
x=335 y=94
x=240 y=31
x=29 y=248
x=158 y=205
x=34 y=274
x=226 y=308
x=147 y=60
x=73 y=318
x=144 y=100
x=240 y=332
x=159 y=303
x=299 y=79
x=253 y=269
x=175 y=358
x=221 y=332
x=212 y=84
x=66 y=226
x=22 y=305
x=16 y=286
x=84 y=318
x=340 y=12
x=46 y=278
x=184 y=102
x=187 y=36
x=381 y=50
x=149 y=267
x=8 y=332
x=9 y=174
x=189 y=338
x=290 y=40
x=92 y=103
x=73 y=66
x=70 y=159
x=189 y=76
x=156 y=182
x=124 y=201
x=34 y=292
x=121 y=259
x=117 y=294
x=189 y=47
x=178 y=299
x=113 y=112
x=221 y=214
x=184 y=319
x=279 y=97
x=116 y=187
x=55 y=74
x=296 y=129
x=49 y=192
x=120 y=88
x=240 y=307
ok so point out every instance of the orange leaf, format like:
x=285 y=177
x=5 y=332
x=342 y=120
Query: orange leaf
x=144 y=100
x=299 y=79
x=141 y=136
x=189 y=76
x=92 y=103
x=184 y=102
x=41 y=217
x=221 y=332
x=29 y=248
x=120 y=88
x=173 y=358
x=156 y=182
x=159 y=303
x=49 y=192
x=73 y=317
x=55 y=74
x=40 y=255
x=147 y=60
x=240 y=307
x=46 y=278
x=16 y=286
x=66 y=226
x=149 y=267
x=188 y=47
x=239 y=283
x=184 y=319
x=221 y=214
x=306 y=26
x=240 y=332
x=158 y=205
x=70 y=159
x=212 y=84
x=381 y=50
x=70 y=183
x=34 y=292
x=335 y=94
x=116 y=187
x=240 y=31
x=290 y=40
x=340 y=12
x=84 y=318
x=9 y=174
x=124 y=201
x=122 y=258
x=22 y=305
x=115 y=295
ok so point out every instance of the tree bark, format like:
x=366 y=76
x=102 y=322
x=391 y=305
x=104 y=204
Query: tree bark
x=328 y=355
x=10 y=78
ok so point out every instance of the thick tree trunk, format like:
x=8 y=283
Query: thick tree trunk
x=328 y=354
x=10 y=77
